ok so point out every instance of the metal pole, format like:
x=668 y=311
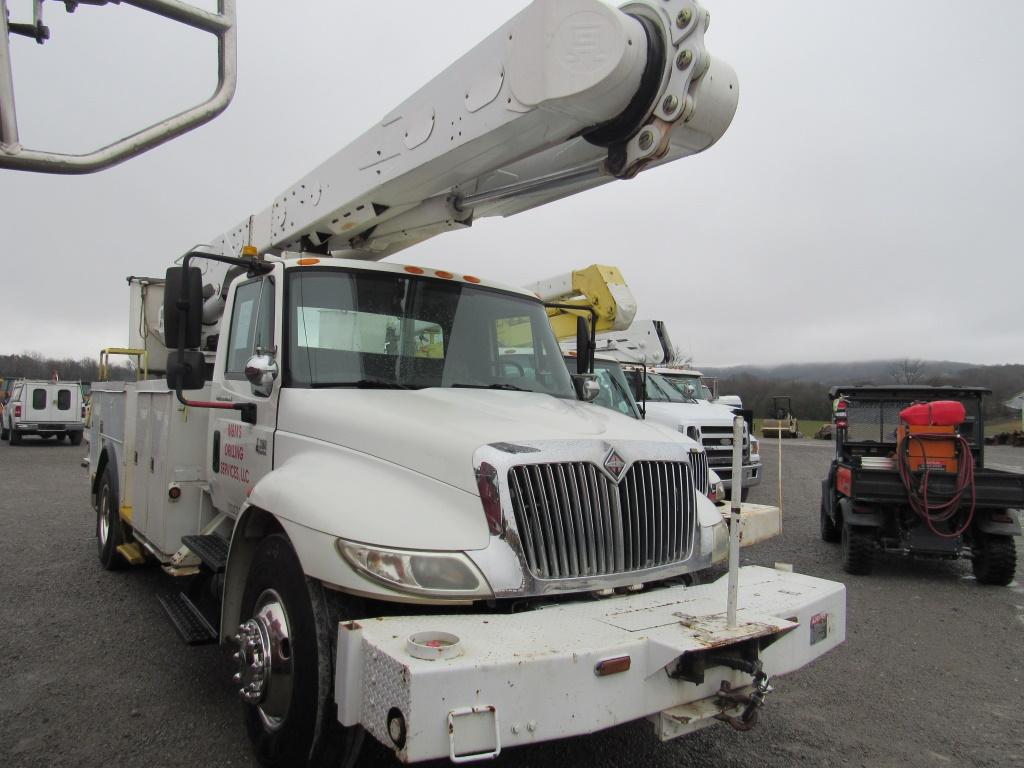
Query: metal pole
x=8 y=115
x=734 y=518
x=780 y=480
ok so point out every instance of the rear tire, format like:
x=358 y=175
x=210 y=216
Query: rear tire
x=830 y=532
x=994 y=559
x=5 y=433
x=75 y=438
x=295 y=725
x=109 y=530
x=15 y=437
x=858 y=548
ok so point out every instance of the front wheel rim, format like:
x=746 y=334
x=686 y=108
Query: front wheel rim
x=104 y=515
x=264 y=658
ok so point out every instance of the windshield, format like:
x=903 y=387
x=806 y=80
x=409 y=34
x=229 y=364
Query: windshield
x=615 y=393
x=387 y=330
x=681 y=383
x=656 y=389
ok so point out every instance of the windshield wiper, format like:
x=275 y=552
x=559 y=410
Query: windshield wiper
x=509 y=387
x=362 y=384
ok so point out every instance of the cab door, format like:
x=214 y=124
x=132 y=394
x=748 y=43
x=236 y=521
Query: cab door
x=240 y=453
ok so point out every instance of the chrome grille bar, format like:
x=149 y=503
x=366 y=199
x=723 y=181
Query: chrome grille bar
x=574 y=521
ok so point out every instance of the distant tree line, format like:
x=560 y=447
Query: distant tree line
x=32 y=365
x=810 y=398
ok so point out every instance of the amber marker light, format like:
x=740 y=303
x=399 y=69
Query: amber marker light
x=308 y=262
x=612 y=666
x=471 y=279
x=444 y=275
x=414 y=270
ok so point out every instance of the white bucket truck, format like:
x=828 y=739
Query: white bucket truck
x=406 y=535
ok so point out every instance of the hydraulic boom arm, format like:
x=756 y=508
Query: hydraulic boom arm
x=599 y=292
x=568 y=95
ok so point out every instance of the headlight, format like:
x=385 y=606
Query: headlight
x=448 y=574
x=717 y=492
x=720 y=553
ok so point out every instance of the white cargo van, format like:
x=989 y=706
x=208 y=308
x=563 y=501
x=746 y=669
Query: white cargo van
x=44 y=408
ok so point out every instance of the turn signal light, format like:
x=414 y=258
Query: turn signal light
x=487 y=484
x=612 y=666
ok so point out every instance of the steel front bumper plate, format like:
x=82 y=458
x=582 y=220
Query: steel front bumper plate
x=528 y=677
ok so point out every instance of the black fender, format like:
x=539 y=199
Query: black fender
x=108 y=458
x=864 y=517
x=994 y=521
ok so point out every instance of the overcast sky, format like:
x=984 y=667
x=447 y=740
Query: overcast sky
x=866 y=202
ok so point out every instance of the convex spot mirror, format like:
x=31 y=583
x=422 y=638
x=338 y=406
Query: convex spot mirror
x=186 y=370
x=261 y=371
x=183 y=308
x=587 y=386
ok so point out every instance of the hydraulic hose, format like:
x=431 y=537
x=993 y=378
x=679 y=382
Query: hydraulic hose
x=933 y=513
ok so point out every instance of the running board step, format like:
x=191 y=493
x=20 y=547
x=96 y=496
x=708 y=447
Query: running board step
x=187 y=619
x=211 y=549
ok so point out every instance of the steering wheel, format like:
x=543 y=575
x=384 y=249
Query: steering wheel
x=517 y=366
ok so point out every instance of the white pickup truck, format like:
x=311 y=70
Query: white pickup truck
x=44 y=408
x=401 y=532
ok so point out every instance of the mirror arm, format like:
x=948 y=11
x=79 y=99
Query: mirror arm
x=248 y=410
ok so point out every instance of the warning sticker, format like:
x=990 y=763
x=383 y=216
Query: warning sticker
x=819 y=627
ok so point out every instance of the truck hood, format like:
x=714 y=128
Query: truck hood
x=436 y=431
x=674 y=414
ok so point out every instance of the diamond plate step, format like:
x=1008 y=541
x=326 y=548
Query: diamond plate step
x=187 y=619
x=211 y=549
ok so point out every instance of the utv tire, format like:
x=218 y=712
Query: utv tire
x=15 y=437
x=830 y=532
x=858 y=548
x=109 y=528
x=296 y=724
x=75 y=438
x=994 y=559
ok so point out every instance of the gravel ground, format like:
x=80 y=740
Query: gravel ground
x=92 y=674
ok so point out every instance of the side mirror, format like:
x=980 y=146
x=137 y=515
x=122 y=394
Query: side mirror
x=186 y=289
x=186 y=370
x=587 y=386
x=584 y=349
x=261 y=371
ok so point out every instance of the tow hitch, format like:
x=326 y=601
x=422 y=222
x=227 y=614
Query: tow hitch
x=751 y=702
x=743 y=657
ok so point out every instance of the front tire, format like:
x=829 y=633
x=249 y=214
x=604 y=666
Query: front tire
x=109 y=530
x=289 y=623
x=994 y=559
x=75 y=438
x=858 y=547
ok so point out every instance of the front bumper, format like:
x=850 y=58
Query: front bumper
x=751 y=474
x=531 y=677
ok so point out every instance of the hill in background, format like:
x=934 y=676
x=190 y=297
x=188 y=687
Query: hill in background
x=808 y=383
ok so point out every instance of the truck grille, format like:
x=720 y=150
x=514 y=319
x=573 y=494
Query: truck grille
x=717 y=442
x=573 y=521
x=699 y=463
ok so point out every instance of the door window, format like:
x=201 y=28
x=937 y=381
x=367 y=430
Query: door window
x=38 y=399
x=252 y=325
x=64 y=400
